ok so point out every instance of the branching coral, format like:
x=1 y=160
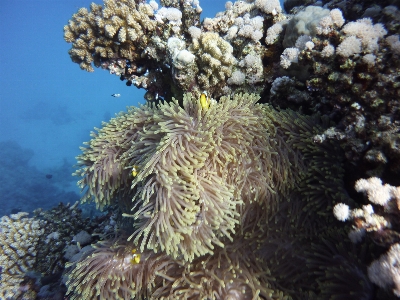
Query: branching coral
x=346 y=57
x=378 y=220
x=350 y=74
x=131 y=39
x=103 y=34
x=215 y=58
x=380 y=223
x=19 y=237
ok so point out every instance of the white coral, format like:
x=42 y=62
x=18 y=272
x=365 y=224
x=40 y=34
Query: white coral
x=171 y=14
x=289 y=56
x=328 y=23
x=349 y=46
x=251 y=28
x=194 y=32
x=237 y=78
x=366 y=32
x=232 y=31
x=341 y=211
x=369 y=59
x=337 y=17
x=394 y=43
x=328 y=51
x=273 y=33
x=183 y=59
x=269 y=6
x=385 y=271
x=376 y=192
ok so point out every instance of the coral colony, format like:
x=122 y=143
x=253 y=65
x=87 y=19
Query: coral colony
x=238 y=178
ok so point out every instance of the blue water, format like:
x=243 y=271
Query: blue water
x=48 y=106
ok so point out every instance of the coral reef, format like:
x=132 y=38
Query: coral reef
x=148 y=46
x=346 y=67
x=19 y=239
x=34 y=250
x=203 y=169
x=62 y=222
x=340 y=64
x=377 y=222
x=385 y=272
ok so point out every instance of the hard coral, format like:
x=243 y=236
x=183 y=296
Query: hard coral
x=19 y=237
x=103 y=34
x=130 y=39
x=215 y=60
x=349 y=76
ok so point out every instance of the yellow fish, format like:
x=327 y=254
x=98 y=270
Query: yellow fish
x=135 y=170
x=204 y=101
x=135 y=257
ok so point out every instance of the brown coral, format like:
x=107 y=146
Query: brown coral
x=105 y=33
x=19 y=237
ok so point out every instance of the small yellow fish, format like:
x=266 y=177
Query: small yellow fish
x=135 y=257
x=204 y=101
x=135 y=170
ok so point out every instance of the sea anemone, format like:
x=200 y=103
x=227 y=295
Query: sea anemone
x=110 y=272
x=195 y=169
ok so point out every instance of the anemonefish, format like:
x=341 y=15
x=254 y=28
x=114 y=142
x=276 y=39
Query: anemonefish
x=135 y=257
x=135 y=170
x=116 y=95
x=204 y=101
